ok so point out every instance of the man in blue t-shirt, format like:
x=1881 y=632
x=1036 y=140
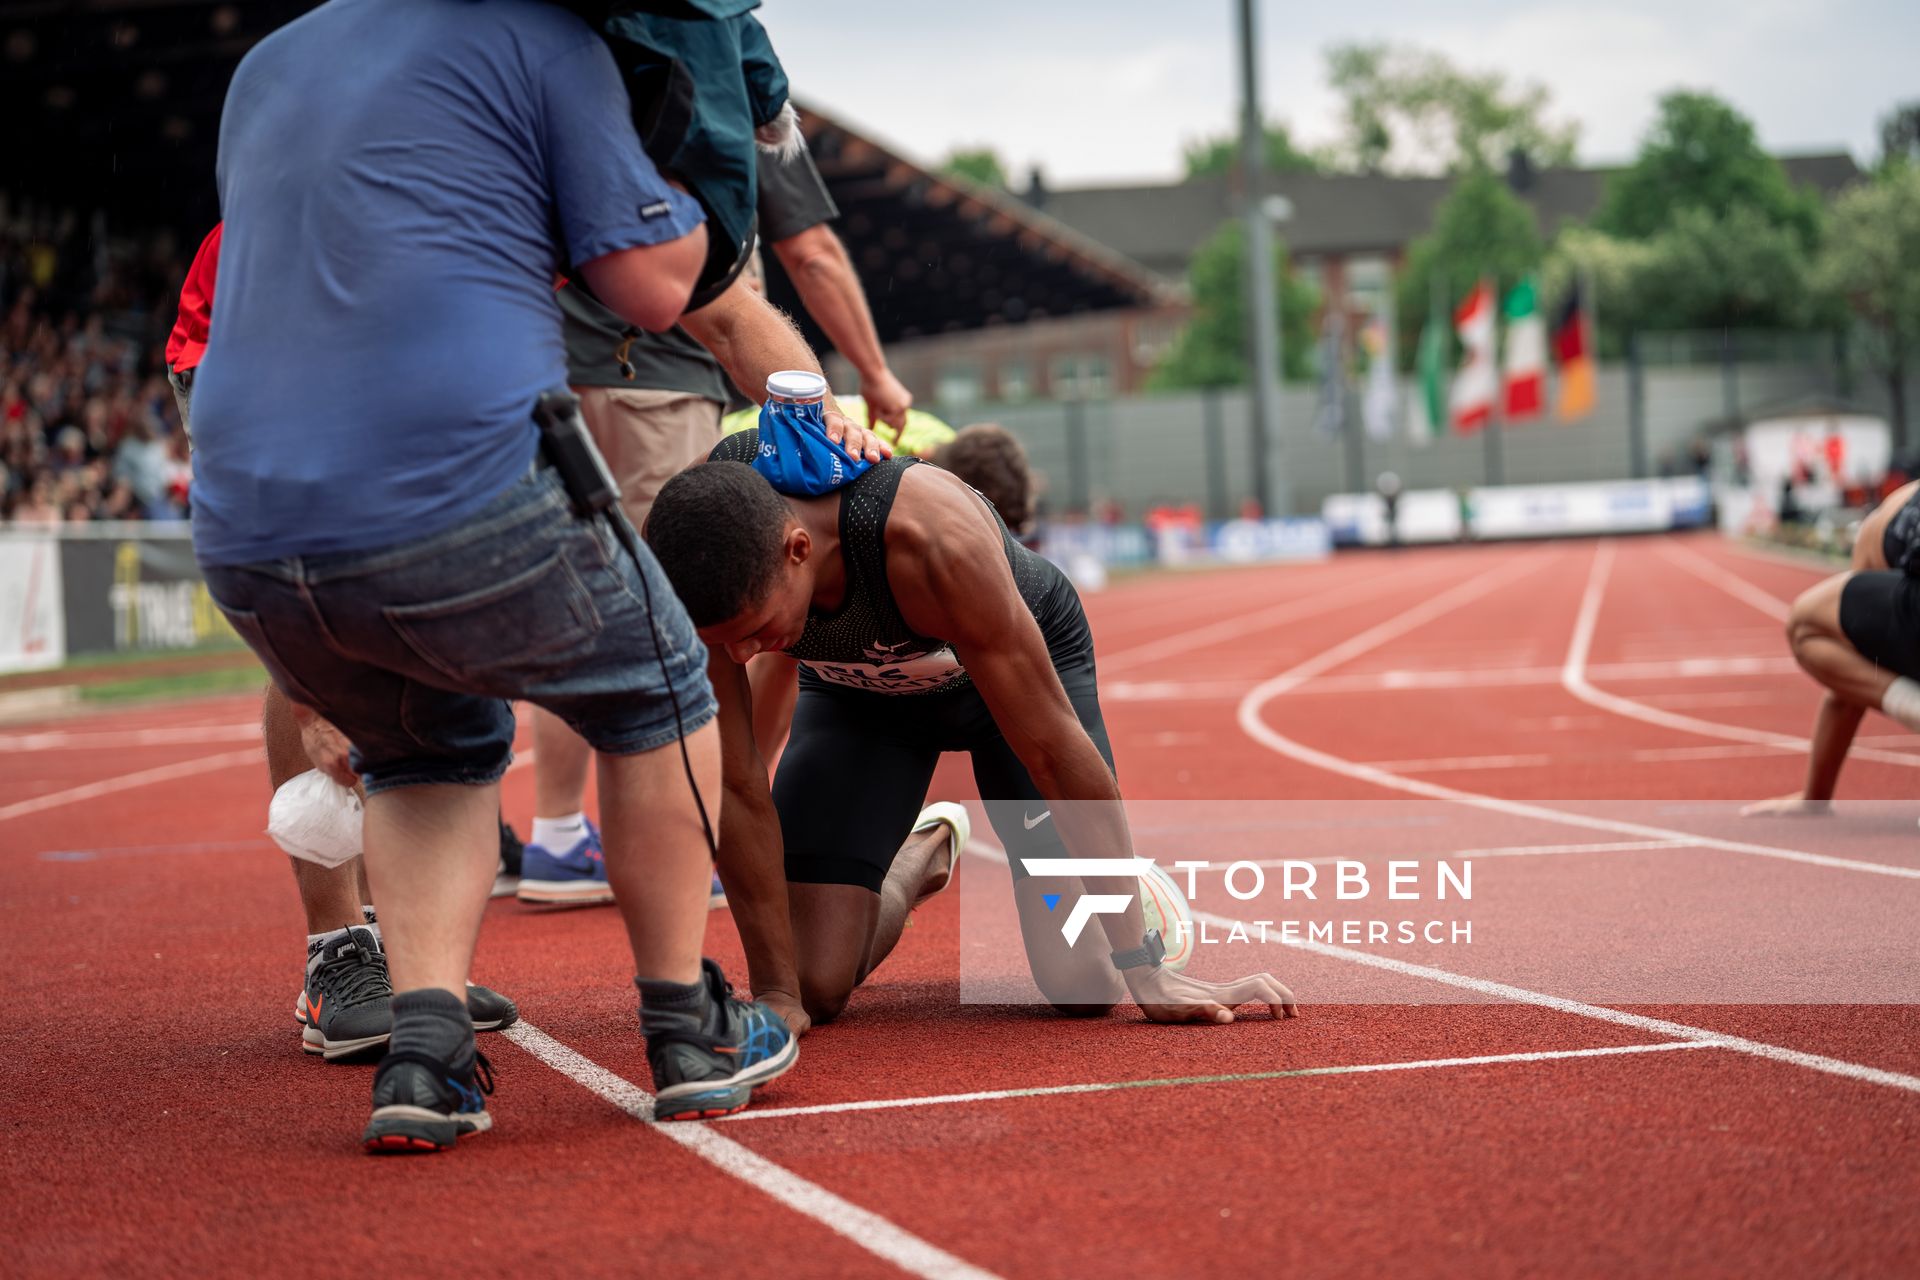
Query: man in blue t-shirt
x=400 y=182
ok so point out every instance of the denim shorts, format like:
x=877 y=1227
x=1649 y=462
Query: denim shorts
x=415 y=652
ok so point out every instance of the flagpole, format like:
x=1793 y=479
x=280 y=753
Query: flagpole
x=1496 y=463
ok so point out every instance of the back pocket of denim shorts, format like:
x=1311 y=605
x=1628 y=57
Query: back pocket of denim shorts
x=504 y=630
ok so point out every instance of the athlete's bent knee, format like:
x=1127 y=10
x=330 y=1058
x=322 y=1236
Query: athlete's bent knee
x=822 y=1003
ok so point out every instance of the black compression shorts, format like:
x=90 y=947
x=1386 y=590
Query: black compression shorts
x=1880 y=614
x=845 y=829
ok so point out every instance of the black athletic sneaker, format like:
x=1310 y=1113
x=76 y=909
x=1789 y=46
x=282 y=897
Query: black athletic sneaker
x=708 y=1063
x=345 y=1008
x=490 y=1010
x=506 y=882
x=422 y=1104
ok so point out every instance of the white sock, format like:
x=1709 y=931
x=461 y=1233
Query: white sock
x=1901 y=702
x=317 y=942
x=559 y=834
x=373 y=922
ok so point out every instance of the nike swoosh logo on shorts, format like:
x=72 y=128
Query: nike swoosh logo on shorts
x=1031 y=823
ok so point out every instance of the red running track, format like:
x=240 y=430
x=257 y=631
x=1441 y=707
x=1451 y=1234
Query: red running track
x=160 y=1118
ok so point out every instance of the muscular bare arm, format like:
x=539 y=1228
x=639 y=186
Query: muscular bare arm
x=751 y=338
x=947 y=564
x=752 y=862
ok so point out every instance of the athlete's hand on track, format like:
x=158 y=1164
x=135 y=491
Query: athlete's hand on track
x=1792 y=806
x=859 y=441
x=1166 y=996
x=788 y=1007
x=887 y=400
x=327 y=750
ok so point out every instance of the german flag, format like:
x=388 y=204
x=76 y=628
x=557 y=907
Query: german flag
x=1573 y=352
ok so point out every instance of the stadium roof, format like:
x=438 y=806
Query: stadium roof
x=115 y=105
x=1159 y=226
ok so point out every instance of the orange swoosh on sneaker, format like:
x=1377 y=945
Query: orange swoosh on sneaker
x=313 y=1009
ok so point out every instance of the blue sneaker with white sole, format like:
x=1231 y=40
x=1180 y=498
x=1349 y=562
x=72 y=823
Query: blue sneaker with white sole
x=708 y=1061
x=573 y=877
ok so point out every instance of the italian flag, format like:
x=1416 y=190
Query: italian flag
x=1526 y=369
x=1470 y=403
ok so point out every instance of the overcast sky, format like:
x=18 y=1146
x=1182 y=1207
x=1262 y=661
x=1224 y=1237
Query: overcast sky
x=1100 y=90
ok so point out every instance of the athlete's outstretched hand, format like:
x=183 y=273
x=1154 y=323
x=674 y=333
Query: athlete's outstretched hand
x=1166 y=996
x=1794 y=806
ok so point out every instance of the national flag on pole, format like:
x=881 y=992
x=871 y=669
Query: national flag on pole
x=1376 y=408
x=1573 y=352
x=1429 y=409
x=1476 y=383
x=1526 y=366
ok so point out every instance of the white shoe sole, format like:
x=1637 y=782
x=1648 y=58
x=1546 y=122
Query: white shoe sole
x=576 y=893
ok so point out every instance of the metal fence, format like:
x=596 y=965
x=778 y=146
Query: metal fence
x=1195 y=447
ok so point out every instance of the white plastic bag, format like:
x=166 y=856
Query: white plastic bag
x=315 y=818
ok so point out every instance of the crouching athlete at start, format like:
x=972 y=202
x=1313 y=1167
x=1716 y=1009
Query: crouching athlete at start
x=919 y=625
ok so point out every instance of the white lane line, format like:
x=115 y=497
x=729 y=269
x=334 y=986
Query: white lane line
x=991 y=852
x=1252 y=724
x=1656 y=1026
x=862 y=1227
x=1505 y=851
x=1442 y=764
x=64 y=740
x=1364 y=588
x=1573 y=677
x=1244 y=1077
x=1172 y=691
x=1504 y=677
x=128 y=781
x=1734 y=585
x=1730 y=752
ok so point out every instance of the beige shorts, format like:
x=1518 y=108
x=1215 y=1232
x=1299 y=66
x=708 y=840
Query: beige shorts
x=648 y=437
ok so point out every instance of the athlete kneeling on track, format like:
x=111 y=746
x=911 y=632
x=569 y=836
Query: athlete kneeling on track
x=920 y=625
x=1858 y=633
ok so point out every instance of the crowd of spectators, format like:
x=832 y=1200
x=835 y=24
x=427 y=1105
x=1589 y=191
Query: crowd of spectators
x=88 y=427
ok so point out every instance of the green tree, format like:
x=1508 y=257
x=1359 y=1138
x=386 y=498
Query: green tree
x=1436 y=116
x=1220 y=155
x=1725 y=271
x=1871 y=261
x=1702 y=154
x=1480 y=231
x=976 y=164
x=1900 y=135
x=1212 y=350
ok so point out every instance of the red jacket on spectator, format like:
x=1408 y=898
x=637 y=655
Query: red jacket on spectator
x=188 y=342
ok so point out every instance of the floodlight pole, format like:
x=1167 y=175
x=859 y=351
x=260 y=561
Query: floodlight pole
x=1268 y=487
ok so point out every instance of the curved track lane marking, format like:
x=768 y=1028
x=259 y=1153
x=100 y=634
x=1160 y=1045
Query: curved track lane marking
x=862 y=1227
x=1573 y=677
x=1465 y=593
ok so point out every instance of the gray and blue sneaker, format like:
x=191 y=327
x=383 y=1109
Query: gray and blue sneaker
x=707 y=1062
x=573 y=877
x=344 y=1010
x=421 y=1104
